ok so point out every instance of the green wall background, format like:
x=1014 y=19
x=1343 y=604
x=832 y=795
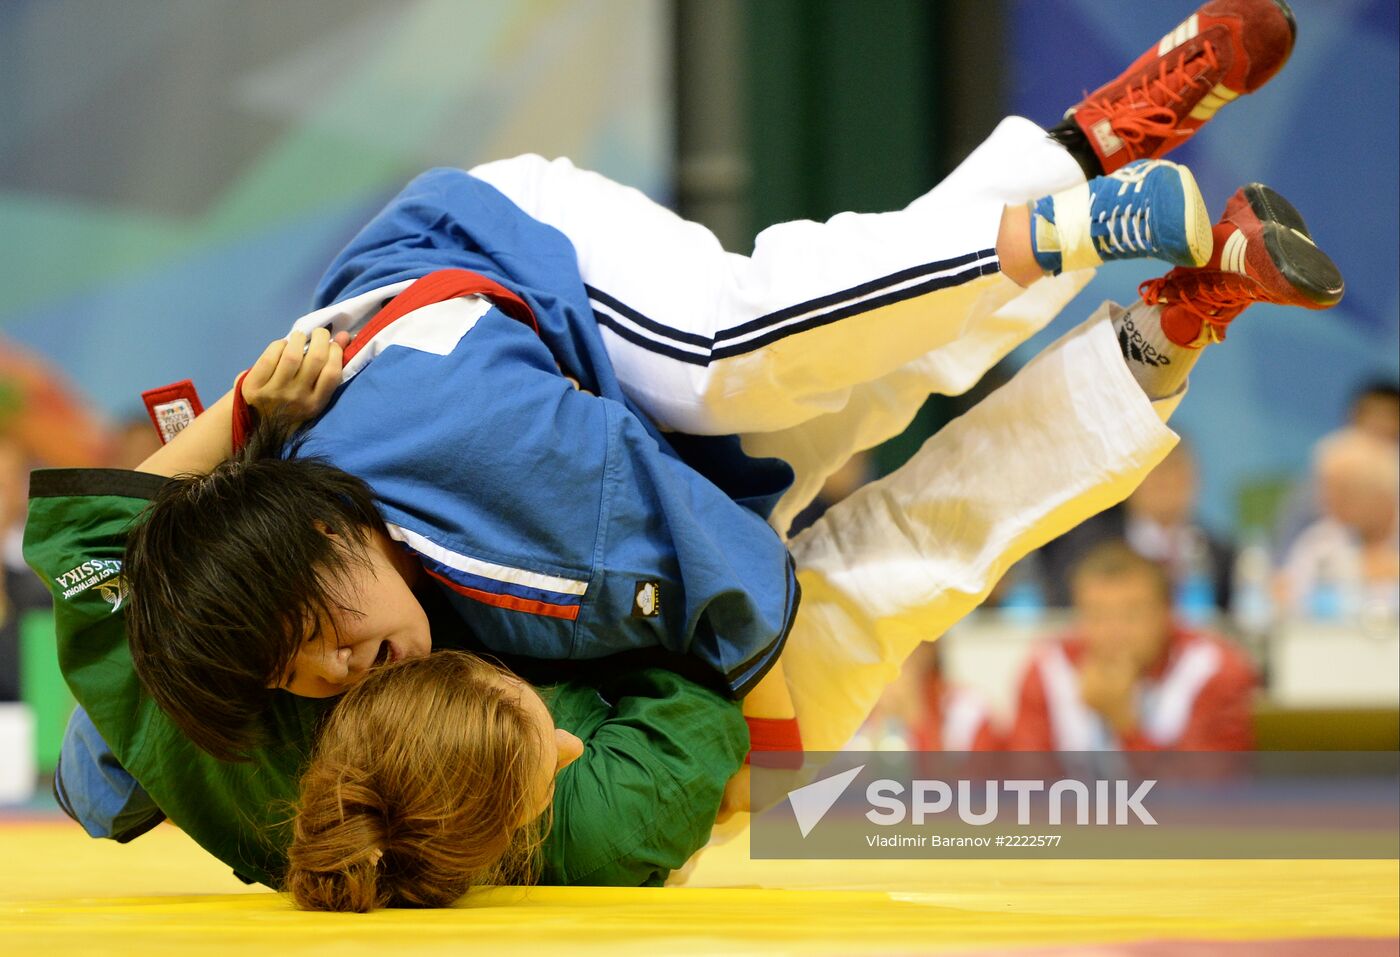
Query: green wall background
x=844 y=113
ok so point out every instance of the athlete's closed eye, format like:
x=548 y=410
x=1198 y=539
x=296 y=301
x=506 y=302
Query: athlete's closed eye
x=291 y=676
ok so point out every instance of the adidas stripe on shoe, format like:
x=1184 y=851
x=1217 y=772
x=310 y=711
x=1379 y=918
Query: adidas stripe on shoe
x=1263 y=253
x=1225 y=49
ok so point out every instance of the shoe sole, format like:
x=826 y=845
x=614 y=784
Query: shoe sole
x=1287 y=12
x=1306 y=268
x=1270 y=207
x=1198 y=223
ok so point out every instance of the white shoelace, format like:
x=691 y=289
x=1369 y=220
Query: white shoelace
x=1135 y=229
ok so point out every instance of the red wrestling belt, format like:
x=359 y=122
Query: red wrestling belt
x=439 y=287
x=172 y=407
x=434 y=287
x=776 y=736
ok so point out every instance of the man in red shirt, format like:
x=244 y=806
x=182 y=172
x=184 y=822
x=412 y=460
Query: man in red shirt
x=923 y=711
x=1129 y=677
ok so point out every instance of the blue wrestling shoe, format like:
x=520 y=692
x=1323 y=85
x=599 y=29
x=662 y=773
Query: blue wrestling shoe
x=1148 y=208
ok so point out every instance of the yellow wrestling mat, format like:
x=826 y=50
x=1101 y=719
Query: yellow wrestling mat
x=63 y=893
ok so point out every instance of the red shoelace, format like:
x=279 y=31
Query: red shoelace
x=1212 y=296
x=1154 y=117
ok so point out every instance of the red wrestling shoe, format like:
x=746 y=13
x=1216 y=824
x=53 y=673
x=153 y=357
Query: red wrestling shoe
x=1263 y=253
x=1224 y=49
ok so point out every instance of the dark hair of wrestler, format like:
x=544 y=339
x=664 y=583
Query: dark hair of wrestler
x=229 y=573
x=425 y=782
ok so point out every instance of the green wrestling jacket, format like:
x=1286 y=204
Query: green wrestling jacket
x=658 y=748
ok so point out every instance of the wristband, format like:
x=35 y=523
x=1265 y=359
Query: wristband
x=172 y=407
x=243 y=420
x=776 y=736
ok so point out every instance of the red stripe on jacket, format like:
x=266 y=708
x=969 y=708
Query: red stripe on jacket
x=435 y=287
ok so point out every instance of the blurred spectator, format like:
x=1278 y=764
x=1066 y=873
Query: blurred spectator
x=1128 y=676
x=923 y=712
x=1348 y=561
x=41 y=421
x=20 y=590
x=135 y=441
x=1159 y=521
x=1375 y=411
x=41 y=412
x=14 y=494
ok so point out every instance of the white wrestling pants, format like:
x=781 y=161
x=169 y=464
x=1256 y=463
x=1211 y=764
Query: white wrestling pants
x=905 y=557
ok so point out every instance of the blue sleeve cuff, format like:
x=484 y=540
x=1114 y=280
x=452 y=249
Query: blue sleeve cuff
x=96 y=791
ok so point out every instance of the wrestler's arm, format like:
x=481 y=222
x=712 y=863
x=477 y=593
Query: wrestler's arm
x=770 y=698
x=642 y=797
x=200 y=446
x=295 y=376
x=90 y=783
x=772 y=720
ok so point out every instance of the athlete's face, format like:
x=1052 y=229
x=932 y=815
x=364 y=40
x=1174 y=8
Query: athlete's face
x=376 y=620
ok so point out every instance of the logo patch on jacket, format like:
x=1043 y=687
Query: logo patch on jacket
x=646 y=600
x=113 y=592
x=90 y=573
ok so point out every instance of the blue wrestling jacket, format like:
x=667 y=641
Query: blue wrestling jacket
x=558 y=520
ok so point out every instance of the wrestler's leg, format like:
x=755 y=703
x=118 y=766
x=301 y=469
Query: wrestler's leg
x=1073 y=433
x=879 y=410
x=905 y=557
x=1224 y=50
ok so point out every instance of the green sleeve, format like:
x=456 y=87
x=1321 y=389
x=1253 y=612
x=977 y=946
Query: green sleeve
x=74 y=539
x=643 y=796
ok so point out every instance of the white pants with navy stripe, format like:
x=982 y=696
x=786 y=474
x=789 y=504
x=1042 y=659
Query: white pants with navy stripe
x=826 y=341
x=905 y=557
x=713 y=343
